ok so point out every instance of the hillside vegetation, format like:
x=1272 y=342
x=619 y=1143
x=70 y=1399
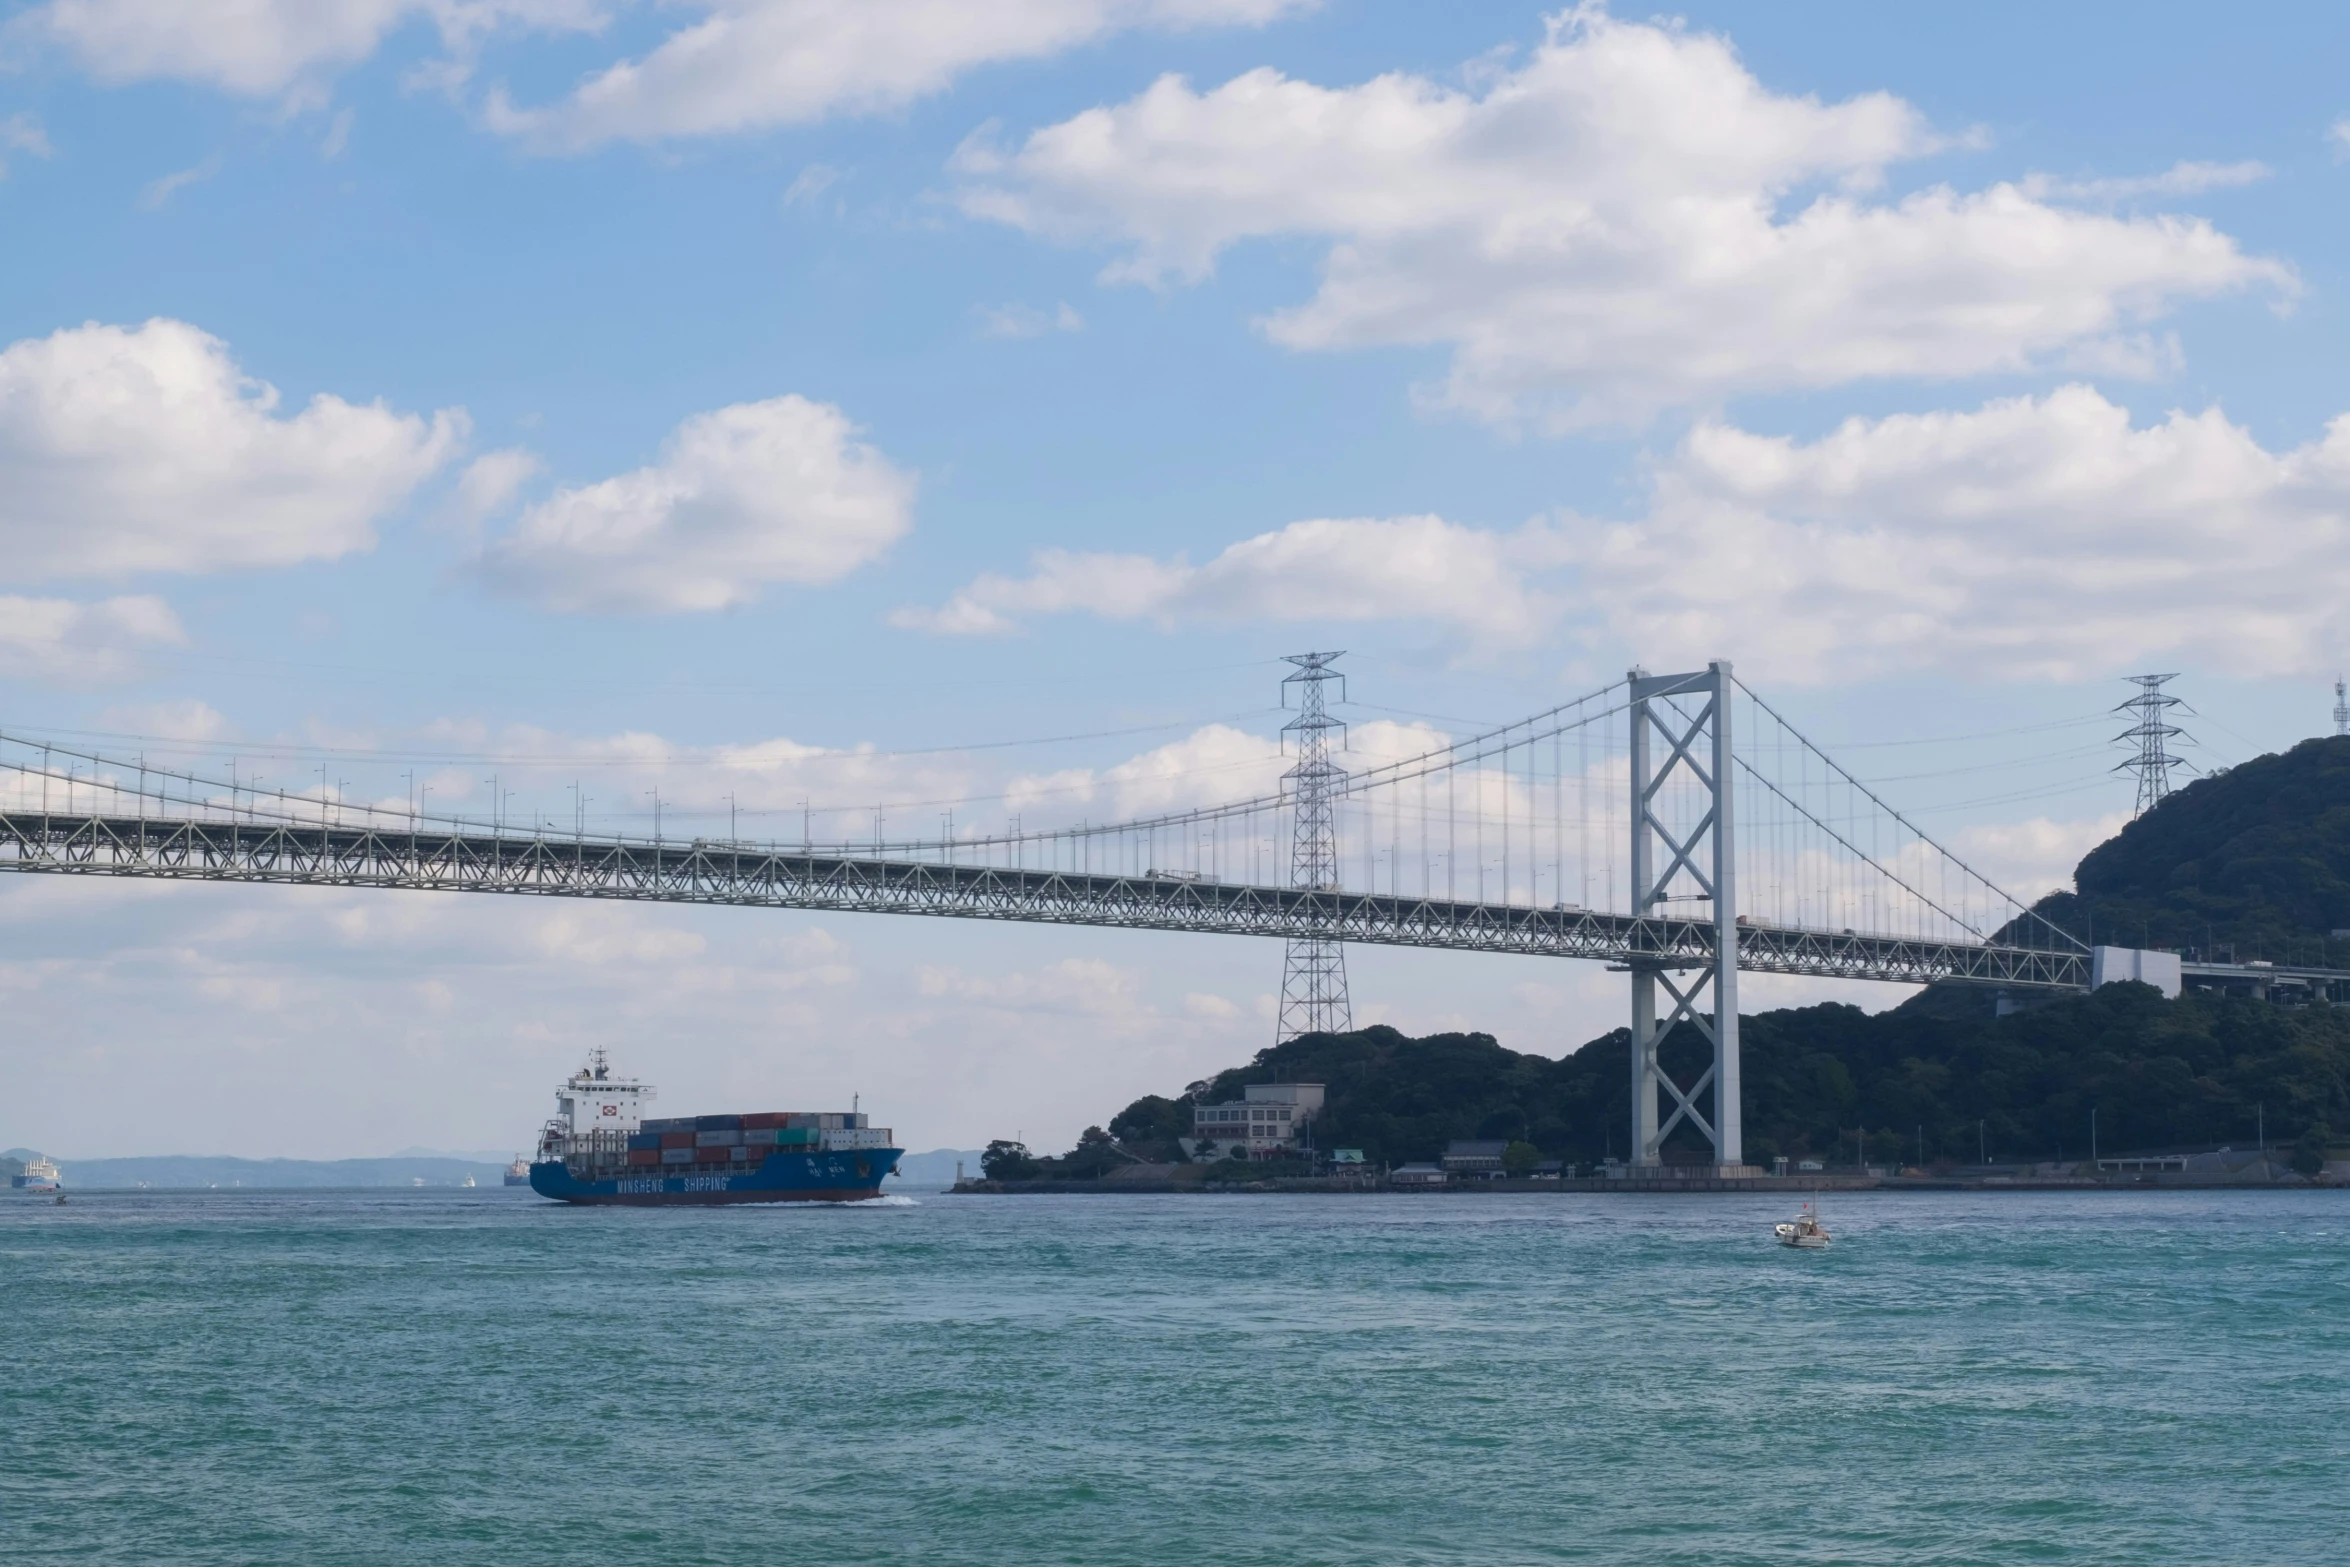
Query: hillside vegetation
x=2255 y=861
x=2199 y=1071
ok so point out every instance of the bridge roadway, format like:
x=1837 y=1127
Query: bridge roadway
x=439 y=858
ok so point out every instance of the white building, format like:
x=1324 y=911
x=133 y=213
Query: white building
x=1272 y=1119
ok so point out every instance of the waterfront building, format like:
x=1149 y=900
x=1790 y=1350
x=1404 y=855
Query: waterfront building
x=1479 y=1159
x=1416 y=1175
x=1269 y=1121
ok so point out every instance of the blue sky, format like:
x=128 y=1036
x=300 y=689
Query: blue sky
x=711 y=376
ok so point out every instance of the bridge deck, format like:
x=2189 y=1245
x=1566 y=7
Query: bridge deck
x=448 y=860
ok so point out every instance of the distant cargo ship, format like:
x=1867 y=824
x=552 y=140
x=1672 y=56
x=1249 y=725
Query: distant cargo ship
x=40 y=1175
x=518 y=1173
x=600 y=1148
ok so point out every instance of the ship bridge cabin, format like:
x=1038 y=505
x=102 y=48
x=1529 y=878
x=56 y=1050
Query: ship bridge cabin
x=593 y=1100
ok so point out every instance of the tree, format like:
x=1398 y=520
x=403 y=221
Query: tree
x=1095 y=1154
x=1151 y=1124
x=1007 y=1161
x=1520 y=1157
x=2310 y=1149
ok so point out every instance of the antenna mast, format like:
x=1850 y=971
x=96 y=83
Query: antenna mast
x=1313 y=976
x=2151 y=732
x=2341 y=707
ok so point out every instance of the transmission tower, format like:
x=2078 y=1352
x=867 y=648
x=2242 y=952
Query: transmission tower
x=2341 y=707
x=2151 y=732
x=1313 y=977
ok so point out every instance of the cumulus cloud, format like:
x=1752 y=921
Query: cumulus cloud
x=743 y=496
x=57 y=639
x=1016 y=320
x=126 y=449
x=1213 y=765
x=2032 y=858
x=1628 y=220
x=2033 y=538
x=751 y=64
x=22 y=133
x=185 y=719
x=2180 y=179
x=489 y=485
x=2030 y=538
x=268 y=48
x=1471 y=580
x=159 y=191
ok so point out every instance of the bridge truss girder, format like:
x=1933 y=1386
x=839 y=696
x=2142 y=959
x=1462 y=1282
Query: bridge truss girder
x=733 y=875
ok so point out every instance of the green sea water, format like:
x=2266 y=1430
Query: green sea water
x=480 y=1377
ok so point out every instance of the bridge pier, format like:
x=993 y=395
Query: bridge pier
x=1696 y=738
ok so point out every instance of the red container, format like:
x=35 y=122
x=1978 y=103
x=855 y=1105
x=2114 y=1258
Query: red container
x=677 y=1139
x=644 y=1156
x=765 y=1120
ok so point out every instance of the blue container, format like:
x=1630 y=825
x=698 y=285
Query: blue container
x=637 y=1140
x=718 y=1123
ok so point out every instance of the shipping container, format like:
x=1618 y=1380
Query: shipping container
x=759 y=1136
x=637 y=1140
x=677 y=1156
x=798 y=1137
x=674 y=1123
x=722 y=1138
x=677 y=1139
x=766 y=1120
x=718 y=1123
x=644 y=1156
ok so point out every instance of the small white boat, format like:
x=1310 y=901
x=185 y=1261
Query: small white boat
x=1805 y=1233
x=468 y=1181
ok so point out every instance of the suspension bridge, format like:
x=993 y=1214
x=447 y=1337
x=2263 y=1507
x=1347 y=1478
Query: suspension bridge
x=1676 y=827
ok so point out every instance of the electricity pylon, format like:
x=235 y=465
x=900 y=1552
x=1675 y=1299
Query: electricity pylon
x=1313 y=975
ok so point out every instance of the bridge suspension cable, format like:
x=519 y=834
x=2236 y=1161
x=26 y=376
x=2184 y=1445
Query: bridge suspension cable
x=1518 y=838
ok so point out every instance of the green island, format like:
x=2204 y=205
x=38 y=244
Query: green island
x=2249 y=864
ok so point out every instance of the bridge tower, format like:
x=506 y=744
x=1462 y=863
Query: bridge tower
x=1700 y=860
x=1313 y=974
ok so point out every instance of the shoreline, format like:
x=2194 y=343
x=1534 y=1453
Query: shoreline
x=1597 y=1185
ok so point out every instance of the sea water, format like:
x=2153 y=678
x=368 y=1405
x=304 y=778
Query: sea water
x=482 y=1377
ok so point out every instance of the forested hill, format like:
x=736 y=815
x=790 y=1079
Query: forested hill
x=2254 y=861
x=2200 y=1071
x=2256 y=858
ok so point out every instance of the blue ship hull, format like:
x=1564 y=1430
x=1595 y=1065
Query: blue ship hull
x=781 y=1177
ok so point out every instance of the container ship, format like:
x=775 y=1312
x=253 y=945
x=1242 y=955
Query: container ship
x=601 y=1148
x=40 y=1175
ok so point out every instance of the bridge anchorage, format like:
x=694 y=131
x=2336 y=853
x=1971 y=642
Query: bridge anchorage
x=1674 y=827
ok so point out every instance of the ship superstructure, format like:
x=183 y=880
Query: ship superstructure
x=599 y=1148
